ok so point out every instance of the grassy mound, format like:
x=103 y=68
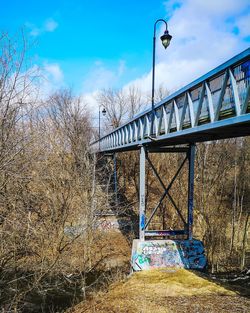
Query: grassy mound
x=152 y=290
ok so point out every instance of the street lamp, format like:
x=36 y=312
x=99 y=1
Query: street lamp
x=165 y=38
x=99 y=129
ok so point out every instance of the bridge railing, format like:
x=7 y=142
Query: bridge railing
x=220 y=94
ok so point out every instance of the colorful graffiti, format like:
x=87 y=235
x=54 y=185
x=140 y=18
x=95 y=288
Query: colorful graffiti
x=107 y=224
x=168 y=253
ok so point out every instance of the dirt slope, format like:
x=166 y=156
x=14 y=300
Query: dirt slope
x=167 y=291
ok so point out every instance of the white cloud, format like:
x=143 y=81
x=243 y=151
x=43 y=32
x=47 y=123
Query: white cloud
x=206 y=8
x=90 y=99
x=52 y=78
x=101 y=76
x=203 y=37
x=49 y=25
x=121 y=68
x=243 y=25
x=54 y=72
x=35 y=31
x=205 y=34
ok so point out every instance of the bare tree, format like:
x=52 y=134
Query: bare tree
x=115 y=104
x=134 y=100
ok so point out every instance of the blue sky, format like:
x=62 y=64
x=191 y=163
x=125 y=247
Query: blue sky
x=85 y=34
x=90 y=45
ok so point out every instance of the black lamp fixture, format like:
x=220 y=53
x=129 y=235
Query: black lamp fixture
x=99 y=128
x=104 y=111
x=166 y=38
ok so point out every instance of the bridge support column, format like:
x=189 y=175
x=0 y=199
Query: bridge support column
x=115 y=178
x=191 y=159
x=177 y=248
x=142 y=193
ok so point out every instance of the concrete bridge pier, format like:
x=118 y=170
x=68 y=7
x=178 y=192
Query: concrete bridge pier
x=152 y=249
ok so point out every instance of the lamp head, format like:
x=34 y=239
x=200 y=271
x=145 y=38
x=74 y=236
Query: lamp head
x=166 y=38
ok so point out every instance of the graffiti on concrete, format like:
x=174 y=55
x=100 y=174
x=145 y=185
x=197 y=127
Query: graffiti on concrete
x=107 y=224
x=168 y=253
x=193 y=254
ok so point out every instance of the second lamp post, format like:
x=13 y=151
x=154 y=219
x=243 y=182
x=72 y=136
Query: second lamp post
x=99 y=128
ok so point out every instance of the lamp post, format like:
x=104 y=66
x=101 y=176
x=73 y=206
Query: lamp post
x=165 y=38
x=99 y=128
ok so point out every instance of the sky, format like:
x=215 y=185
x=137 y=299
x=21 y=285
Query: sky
x=89 y=45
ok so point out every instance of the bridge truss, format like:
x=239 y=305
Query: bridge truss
x=215 y=106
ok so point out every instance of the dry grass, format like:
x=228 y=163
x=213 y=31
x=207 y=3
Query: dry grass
x=170 y=282
x=148 y=291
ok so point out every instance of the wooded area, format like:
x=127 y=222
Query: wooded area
x=50 y=192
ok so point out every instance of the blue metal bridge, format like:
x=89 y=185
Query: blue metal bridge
x=215 y=106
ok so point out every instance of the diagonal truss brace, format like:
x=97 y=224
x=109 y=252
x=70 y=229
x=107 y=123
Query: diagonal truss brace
x=166 y=191
x=188 y=222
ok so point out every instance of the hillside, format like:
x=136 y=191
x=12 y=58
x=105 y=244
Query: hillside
x=165 y=291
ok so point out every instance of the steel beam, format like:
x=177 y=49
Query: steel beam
x=142 y=192
x=162 y=233
x=115 y=178
x=167 y=149
x=191 y=158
